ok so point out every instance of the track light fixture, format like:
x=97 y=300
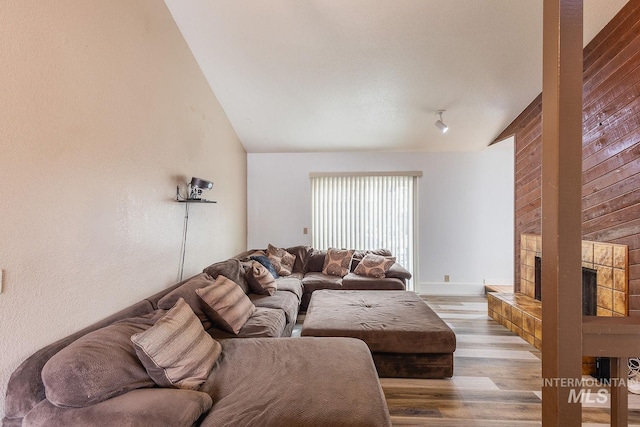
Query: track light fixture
x=440 y=124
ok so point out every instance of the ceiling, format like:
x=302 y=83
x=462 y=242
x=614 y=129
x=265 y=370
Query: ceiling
x=369 y=75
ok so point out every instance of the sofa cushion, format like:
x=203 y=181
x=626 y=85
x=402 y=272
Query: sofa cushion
x=295 y=382
x=25 y=389
x=295 y=275
x=176 y=351
x=316 y=260
x=281 y=259
x=99 y=365
x=264 y=323
x=143 y=407
x=399 y=272
x=353 y=281
x=337 y=262
x=374 y=265
x=264 y=260
x=285 y=301
x=315 y=281
x=231 y=268
x=188 y=292
x=226 y=304
x=291 y=284
x=261 y=280
x=302 y=257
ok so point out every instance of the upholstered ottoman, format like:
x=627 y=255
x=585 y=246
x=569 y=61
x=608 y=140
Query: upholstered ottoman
x=406 y=338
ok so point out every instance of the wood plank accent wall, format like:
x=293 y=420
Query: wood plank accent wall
x=611 y=147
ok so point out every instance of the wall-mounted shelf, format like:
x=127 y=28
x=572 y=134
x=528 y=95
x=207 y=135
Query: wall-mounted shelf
x=196 y=201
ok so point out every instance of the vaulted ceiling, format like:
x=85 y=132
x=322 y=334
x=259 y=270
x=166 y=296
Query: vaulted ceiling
x=356 y=75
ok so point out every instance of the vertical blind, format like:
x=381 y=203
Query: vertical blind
x=365 y=212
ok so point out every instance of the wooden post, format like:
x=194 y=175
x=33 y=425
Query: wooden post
x=561 y=213
x=619 y=392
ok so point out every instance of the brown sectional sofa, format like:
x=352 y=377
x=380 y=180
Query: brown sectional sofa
x=257 y=380
x=308 y=269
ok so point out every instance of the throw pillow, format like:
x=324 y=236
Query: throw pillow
x=226 y=304
x=231 y=268
x=176 y=351
x=262 y=259
x=337 y=261
x=187 y=291
x=281 y=259
x=374 y=266
x=260 y=280
x=358 y=255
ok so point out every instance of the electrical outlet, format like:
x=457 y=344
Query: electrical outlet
x=446 y=277
x=305 y=230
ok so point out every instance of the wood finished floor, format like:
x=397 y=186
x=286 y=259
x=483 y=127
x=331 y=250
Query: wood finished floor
x=496 y=378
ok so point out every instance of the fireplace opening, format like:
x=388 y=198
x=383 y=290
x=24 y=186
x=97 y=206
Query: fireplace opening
x=589 y=287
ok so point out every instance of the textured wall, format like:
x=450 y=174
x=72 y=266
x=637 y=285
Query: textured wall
x=103 y=110
x=610 y=147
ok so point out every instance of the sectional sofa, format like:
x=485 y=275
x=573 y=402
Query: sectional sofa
x=119 y=372
x=309 y=265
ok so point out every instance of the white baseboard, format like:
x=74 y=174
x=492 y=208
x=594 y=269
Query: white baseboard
x=450 y=288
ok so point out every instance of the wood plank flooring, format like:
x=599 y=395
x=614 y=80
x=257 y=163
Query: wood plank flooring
x=496 y=378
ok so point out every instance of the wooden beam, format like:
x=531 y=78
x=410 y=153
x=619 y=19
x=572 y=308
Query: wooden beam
x=561 y=212
x=611 y=336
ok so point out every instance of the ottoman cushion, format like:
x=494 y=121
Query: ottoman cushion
x=388 y=321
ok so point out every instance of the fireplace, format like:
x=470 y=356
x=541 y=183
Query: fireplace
x=605 y=289
x=589 y=287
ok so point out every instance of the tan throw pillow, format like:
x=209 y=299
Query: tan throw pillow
x=226 y=304
x=176 y=351
x=281 y=259
x=261 y=281
x=374 y=266
x=337 y=261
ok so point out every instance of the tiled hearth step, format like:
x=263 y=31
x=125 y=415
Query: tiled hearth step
x=498 y=288
x=519 y=313
x=522 y=315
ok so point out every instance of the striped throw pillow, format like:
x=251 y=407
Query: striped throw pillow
x=176 y=351
x=226 y=304
x=261 y=280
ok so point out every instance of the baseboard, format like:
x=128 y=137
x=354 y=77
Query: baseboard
x=450 y=288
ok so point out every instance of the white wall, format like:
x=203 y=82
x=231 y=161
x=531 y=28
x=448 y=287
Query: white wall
x=465 y=220
x=103 y=110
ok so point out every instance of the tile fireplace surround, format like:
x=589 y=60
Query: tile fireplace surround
x=522 y=314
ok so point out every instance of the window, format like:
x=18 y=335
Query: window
x=365 y=211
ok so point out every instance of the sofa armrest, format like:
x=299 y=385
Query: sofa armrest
x=144 y=406
x=398 y=272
